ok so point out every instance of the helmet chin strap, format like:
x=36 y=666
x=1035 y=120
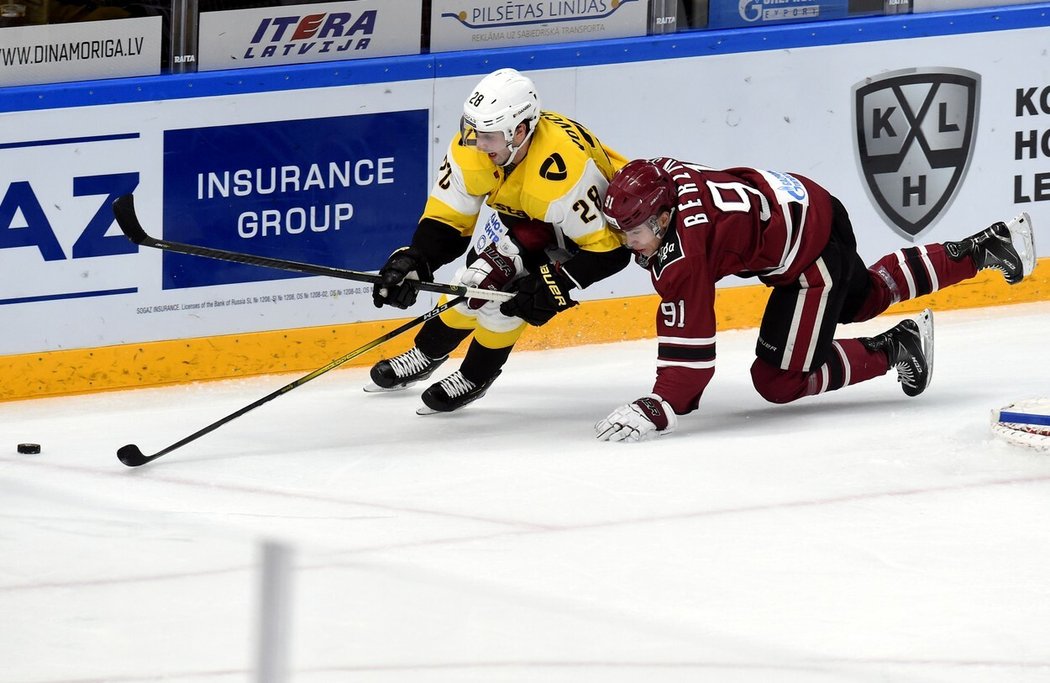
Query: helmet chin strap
x=510 y=157
x=514 y=148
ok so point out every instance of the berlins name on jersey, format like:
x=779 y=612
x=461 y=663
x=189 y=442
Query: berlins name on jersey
x=754 y=222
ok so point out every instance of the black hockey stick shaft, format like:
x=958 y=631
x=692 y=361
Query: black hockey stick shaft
x=132 y=456
x=127 y=219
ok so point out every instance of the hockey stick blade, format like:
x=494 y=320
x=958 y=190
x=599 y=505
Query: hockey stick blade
x=127 y=220
x=132 y=456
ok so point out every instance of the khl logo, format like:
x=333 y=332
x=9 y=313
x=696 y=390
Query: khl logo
x=915 y=129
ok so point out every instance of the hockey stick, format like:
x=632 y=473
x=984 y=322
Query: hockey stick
x=124 y=212
x=132 y=456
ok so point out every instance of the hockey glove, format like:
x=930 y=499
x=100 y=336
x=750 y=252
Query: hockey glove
x=495 y=267
x=540 y=296
x=398 y=277
x=638 y=421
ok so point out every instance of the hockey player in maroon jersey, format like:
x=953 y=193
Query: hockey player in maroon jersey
x=691 y=226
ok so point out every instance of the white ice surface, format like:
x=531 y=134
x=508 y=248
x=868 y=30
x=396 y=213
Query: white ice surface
x=856 y=536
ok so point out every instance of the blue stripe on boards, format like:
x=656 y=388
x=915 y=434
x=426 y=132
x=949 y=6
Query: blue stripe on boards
x=69 y=141
x=68 y=295
x=558 y=56
x=215 y=83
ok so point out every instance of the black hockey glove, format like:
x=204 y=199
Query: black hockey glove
x=398 y=278
x=541 y=295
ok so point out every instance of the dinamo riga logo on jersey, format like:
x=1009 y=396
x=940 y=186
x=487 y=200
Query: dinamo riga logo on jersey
x=915 y=129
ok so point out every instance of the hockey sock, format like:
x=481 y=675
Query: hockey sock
x=437 y=340
x=849 y=363
x=910 y=273
x=481 y=362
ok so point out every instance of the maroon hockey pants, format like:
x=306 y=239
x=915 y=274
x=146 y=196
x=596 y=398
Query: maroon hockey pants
x=798 y=354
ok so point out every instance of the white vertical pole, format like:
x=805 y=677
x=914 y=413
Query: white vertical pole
x=275 y=614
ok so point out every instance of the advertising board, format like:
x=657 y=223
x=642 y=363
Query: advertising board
x=335 y=191
x=322 y=185
x=745 y=13
x=297 y=34
x=56 y=53
x=484 y=24
x=924 y=142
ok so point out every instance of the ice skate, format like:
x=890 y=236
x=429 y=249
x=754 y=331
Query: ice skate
x=399 y=372
x=1006 y=247
x=452 y=393
x=909 y=348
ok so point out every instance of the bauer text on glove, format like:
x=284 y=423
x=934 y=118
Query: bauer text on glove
x=638 y=421
x=541 y=295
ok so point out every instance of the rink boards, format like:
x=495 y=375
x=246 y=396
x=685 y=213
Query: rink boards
x=332 y=163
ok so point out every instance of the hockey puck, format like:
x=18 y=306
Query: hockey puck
x=29 y=448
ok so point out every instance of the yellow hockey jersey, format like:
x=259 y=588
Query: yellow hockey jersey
x=561 y=181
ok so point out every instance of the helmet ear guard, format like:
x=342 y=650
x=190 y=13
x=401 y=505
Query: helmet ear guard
x=637 y=194
x=499 y=103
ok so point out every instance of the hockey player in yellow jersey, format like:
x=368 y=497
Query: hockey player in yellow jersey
x=544 y=178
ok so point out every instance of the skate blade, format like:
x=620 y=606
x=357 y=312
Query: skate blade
x=373 y=388
x=925 y=321
x=426 y=410
x=1023 y=239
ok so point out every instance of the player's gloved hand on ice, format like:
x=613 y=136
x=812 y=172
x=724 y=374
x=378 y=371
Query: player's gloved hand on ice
x=638 y=421
x=494 y=268
x=398 y=278
x=540 y=296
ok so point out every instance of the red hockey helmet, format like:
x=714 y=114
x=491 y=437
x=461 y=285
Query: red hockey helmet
x=639 y=191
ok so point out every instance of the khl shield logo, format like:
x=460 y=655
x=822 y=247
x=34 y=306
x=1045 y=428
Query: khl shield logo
x=915 y=130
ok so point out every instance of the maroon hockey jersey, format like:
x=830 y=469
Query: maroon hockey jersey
x=736 y=221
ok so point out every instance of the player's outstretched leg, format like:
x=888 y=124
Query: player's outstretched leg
x=453 y=392
x=908 y=347
x=403 y=370
x=1007 y=247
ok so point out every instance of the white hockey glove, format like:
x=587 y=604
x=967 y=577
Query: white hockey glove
x=638 y=421
x=496 y=265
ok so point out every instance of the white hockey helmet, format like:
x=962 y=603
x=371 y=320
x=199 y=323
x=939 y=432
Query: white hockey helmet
x=501 y=101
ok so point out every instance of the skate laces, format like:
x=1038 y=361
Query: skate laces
x=457 y=385
x=410 y=362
